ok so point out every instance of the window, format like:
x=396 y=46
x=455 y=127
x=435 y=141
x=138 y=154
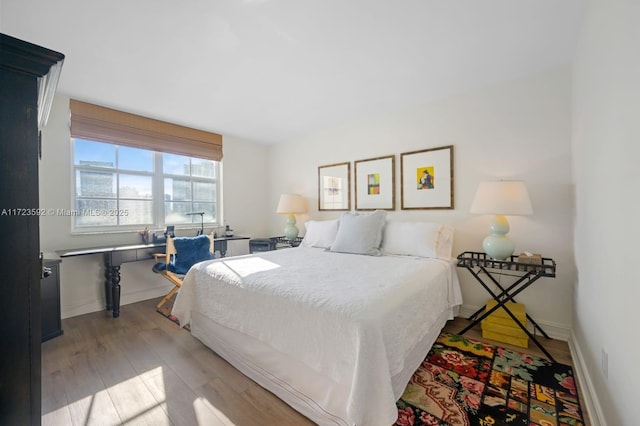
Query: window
x=189 y=187
x=122 y=187
x=132 y=171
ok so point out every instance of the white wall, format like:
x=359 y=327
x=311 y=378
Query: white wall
x=606 y=131
x=246 y=180
x=519 y=129
x=82 y=279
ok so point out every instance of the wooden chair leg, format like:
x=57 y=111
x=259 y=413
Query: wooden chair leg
x=167 y=297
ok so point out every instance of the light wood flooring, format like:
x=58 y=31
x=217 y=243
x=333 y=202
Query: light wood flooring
x=143 y=369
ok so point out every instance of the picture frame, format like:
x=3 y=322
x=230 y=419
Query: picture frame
x=375 y=183
x=427 y=179
x=334 y=187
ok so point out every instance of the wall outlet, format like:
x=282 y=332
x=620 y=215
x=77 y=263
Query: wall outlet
x=604 y=358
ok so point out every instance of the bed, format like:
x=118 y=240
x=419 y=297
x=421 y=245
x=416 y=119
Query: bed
x=337 y=335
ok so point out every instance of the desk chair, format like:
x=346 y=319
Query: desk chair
x=180 y=255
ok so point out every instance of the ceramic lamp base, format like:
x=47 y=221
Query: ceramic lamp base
x=290 y=230
x=497 y=244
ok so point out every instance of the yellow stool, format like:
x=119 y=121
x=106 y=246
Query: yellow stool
x=501 y=327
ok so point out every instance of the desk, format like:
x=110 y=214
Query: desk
x=115 y=255
x=526 y=273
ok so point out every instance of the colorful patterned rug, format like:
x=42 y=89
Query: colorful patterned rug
x=466 y=382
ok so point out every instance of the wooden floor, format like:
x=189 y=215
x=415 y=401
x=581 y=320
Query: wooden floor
x=557 y=348
x=143 y=369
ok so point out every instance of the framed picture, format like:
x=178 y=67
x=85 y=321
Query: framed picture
x=427 y=179
x=375 y=183
x=334 y=187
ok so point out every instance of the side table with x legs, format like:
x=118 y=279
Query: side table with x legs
x=485 y=270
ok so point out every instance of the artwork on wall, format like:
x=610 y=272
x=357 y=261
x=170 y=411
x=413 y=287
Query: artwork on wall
x=334 y=187
x=375 y=183
x=427 y=179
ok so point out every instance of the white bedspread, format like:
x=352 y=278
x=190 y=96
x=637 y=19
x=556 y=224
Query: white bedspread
x=349 y=317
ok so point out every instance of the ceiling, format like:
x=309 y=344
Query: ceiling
x=276 y=70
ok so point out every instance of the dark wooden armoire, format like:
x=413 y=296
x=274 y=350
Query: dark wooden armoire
x=28 y=76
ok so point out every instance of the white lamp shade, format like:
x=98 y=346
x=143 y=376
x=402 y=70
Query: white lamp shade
x=505 y=197
x=291 y=204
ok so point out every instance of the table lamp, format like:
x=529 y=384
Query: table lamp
x=500 y=198
x=291 y=204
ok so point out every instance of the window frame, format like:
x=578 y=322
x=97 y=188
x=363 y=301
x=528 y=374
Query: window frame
x=192 y=180
x=157 y=199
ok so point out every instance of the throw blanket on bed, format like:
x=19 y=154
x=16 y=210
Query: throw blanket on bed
x=352 y=318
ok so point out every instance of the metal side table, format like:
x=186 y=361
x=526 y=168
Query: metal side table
x=478 y=263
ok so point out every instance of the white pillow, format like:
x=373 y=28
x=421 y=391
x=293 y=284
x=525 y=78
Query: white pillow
x=422 y=239
x=360 y=233
x=320 y=233
x=444 y=246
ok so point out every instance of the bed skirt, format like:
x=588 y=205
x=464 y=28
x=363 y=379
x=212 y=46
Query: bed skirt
x=315 y=396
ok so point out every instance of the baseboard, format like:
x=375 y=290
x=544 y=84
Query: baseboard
x=586 y=387
x=139 y=296
x=554 y=330
x=85 y=308
x=125 y=299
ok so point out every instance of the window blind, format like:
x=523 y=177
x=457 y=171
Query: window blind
x=102 y=124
